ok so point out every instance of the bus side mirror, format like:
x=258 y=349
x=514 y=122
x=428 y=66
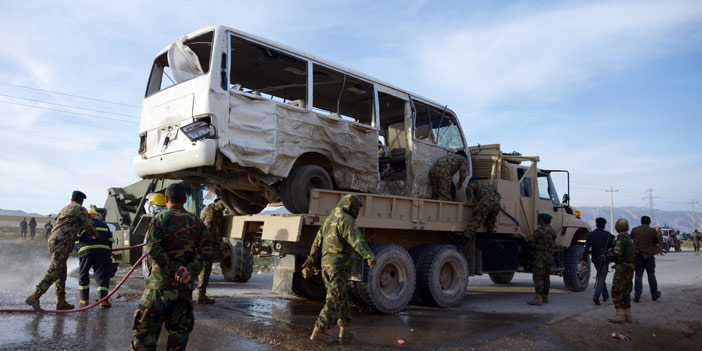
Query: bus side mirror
x=566 y=198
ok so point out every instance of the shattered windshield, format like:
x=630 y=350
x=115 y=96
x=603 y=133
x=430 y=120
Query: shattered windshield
x=185 y=59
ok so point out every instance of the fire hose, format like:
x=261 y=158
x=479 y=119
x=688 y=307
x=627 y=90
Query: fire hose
x=124 y=279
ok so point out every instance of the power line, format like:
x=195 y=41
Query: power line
x=68 y=112
x=71 y=106
x=650 y=198
x=65 y=94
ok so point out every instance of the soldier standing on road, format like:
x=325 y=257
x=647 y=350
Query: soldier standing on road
x=334 y=244
x=23 y=228
x=622 y=254
x=96 y=254
x=48 y=227
x=543 y=239
x=487 y=205
x=648 y=245
x=597 y=244
x=442 y=172
x=213 y=217
x=68 y=223
x=178 y=245
x=32 y=228
x=696 y=238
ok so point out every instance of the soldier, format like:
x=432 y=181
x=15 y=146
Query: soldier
x=95 y=253
x=543 y=240
x=334 y=244
x=443 y=170
x=487 y=205
x=622 y=254
x=48 y=227
x=648 y=245
x=68 y=222
x=696 y=238
x=32 y=228
x=213 y=216
x=23 y=228
x=597 y=244
x=178 y=245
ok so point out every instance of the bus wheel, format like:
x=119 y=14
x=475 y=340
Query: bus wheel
x=312 y=288
x=296 y=188
x=237 y=264
x=576 y=276
x=502 y=278
x=442 y=276
x=388 y=287
x=240 y=206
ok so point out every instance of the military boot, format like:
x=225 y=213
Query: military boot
x=627 y=315
x=33 y=300
x=537 y=301
x=345 y=334
x=619 y=318
x=319 y=335
x=203 y=299
x=61 y=304
x=544 y=298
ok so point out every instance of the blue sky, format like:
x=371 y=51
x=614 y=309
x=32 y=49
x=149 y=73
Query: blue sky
x=610 y=90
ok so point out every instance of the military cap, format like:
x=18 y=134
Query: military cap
x=546 y=217
x=475 y=177
x=78 y=195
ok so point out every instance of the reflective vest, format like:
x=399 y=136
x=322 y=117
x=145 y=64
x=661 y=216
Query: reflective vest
x=86 y=245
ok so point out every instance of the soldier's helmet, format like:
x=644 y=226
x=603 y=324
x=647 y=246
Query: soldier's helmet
x=622 y=225
x=94 y=214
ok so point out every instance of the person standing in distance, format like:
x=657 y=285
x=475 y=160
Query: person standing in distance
x=543 y=240
x=48 y=227
x=648 y=245
x=178 y=245
x=32 y=228
x=622 y=254
x=213 y=217
x=597 y=244
x=23 y=228
x=334 y=245
x=696 y=238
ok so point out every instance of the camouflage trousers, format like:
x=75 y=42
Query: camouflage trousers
x=156 y=307
x=485 y=213
x=542 y=274
x=204 y=277
x=336 y=306
x=60 y=250
x=441 y=184
x=622 y=284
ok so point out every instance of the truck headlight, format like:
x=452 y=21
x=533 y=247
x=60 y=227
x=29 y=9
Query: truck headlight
x=198 y=130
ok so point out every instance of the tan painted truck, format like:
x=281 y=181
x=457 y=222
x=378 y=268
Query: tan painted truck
x=419 y=243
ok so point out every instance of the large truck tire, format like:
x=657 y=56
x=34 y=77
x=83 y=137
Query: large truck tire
x=502 y=277
x=416 y=253
x=442 y=276
x=295 y=190
x=237 y=264
x=240 y=206
x=388 y=287
x=575 y=275
x=312 y=288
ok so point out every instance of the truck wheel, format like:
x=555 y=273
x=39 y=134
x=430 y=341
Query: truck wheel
x=237 y=264
x=388 y=287
x=240 y=206
x=576 y=276
x=416 y=253
x=312 y=288
x=442 y=276
x=502 y=278
x=285 y=191
x=304 y=179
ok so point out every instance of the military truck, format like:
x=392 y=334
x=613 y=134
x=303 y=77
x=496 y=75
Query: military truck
x=125 y=214
x=670 y=239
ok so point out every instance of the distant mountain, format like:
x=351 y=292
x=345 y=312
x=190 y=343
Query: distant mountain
x=18 y=213
x=680 y=220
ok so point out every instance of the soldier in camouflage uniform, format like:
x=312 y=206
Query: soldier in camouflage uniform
x=63 y=235
x=23 y=228
x=487 y=205
x=622 y=254
x=696 y=238
x=543 y=239
x=178 y=244
x=213 y=217
x=443 y=170
x=334 y=244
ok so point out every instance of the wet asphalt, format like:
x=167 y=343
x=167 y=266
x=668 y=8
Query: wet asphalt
x=248 y=316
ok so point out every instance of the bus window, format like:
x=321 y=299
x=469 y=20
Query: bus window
x=266 y=72
x=196 y=52
x=342 y=95
x=437 y=127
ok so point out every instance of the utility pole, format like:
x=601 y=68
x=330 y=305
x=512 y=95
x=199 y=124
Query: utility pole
x=693 y=215
x=650 y=198
x=611 y=208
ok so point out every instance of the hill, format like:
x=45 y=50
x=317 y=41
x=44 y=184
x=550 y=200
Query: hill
x=680 y=220
x=18 y=213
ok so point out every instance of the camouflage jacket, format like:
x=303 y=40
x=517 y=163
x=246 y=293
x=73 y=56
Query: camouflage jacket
x=213 y=217
x=479 y=190
x=450 y=164
x=69 y=221
x=32 y=223
x=23 y=224
x=544 y=239
x=87 y=245
x=339 y=236
x=622 y=251
x=176 y=238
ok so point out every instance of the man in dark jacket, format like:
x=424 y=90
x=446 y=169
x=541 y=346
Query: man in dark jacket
x=648 y=244
x=94 y=253
x=598 y=242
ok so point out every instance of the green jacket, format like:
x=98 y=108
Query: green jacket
x=339 y=236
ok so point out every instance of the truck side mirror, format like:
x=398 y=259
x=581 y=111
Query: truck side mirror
x=566 y=198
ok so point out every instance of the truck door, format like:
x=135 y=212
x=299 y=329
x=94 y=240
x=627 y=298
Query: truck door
x=547 y=201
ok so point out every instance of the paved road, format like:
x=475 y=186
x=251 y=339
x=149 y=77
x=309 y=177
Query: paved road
x=248 y=316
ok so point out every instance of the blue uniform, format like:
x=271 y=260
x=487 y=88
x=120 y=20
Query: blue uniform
x=95 y=254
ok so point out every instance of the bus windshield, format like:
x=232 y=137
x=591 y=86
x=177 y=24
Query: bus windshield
x=185 y=59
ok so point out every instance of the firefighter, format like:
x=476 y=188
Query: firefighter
x=95 y=254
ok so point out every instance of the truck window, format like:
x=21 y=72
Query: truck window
x=543 y=187
x=525 y=185
x=266 y=72
x=342 y=95
x=437 y=126
x=180 y=63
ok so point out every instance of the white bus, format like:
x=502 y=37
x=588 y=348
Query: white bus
x=264 y=123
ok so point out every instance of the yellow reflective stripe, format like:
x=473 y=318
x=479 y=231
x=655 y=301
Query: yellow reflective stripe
x=88 y=247
x=102 y=229
x=102 y=288
x=83 y=287
x=110 y=240
x=77 y=241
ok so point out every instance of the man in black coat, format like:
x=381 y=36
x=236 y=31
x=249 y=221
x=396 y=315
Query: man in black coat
x=598 y=242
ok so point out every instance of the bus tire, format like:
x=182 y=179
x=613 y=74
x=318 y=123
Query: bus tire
x=240 y=206
x=575 y=275
x=312 y=288
x=502 y=277
x=442 y=276
x=303 y=180
x=237 y=263
x=388 y=287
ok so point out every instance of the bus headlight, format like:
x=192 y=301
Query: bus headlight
x=198 y=130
